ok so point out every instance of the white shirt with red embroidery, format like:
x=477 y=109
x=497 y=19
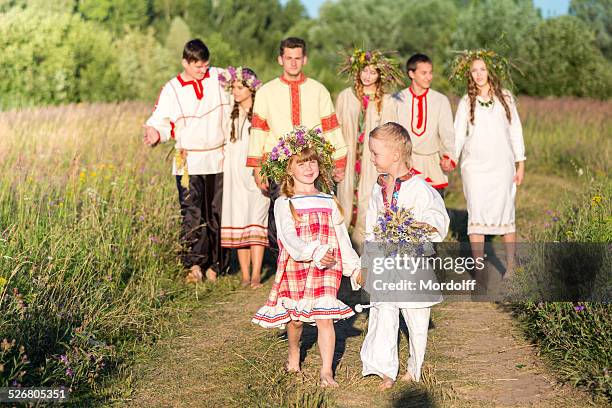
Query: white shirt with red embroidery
x=194 y=114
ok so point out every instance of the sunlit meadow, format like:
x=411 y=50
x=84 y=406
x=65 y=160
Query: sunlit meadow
x=89 y=225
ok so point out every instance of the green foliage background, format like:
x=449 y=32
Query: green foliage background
x=64 y=51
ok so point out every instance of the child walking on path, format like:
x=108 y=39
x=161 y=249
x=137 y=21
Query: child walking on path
x=314 y=247
x=192 y=109
x=398 y=188
x=244 y=221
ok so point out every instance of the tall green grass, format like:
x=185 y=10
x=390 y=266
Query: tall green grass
x=88 y=244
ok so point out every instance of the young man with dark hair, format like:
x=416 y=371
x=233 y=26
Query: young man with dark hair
x=286 y=102
x=192 y=109
x=427 y=116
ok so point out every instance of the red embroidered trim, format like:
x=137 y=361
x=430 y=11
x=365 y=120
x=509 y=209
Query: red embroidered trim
x=258 y=122
x=253 y=161
x=172 y=135
x=330 y=123
x=422 y=113
x=340 y=163
x=198 y=87
x=294 y=93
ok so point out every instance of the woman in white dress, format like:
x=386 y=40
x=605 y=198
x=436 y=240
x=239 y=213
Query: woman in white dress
x=489 y=138
x=244 y=216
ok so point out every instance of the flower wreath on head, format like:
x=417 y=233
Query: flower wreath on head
x=353 y=63
x=300 y=138
x=460 y=68
x=232 y=74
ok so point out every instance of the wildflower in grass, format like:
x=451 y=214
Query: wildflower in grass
x=579 y=308
x=154 y=239
x=64 y=359
x=3 y=282
x=555 y=219
x=69 y=372
x=596 y=200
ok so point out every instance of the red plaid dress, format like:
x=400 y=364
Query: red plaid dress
x=301 y=290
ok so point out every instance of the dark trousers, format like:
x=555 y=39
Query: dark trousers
x=201 y=222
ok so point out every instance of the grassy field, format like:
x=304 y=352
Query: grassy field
x=89 y=278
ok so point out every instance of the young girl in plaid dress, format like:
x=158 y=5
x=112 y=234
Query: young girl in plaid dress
x=314 y=249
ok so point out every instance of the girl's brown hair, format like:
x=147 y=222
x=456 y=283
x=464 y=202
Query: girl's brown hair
x=236 y=110
x=378 y=96
x=495 y=89
x=323 y=180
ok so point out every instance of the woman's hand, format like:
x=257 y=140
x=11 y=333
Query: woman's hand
x=520 y=173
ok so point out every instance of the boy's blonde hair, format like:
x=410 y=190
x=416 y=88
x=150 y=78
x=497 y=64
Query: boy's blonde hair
x=396 y=137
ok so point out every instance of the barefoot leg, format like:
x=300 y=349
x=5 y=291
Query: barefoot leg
x=257 y=253
x=294 y=332
x=326 y=340
x=244 y=258
x=386 y=383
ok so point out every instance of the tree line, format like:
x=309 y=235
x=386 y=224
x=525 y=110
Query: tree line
x=64 y=51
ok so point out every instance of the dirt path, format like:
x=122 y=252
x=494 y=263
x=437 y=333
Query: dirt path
x=476 y=358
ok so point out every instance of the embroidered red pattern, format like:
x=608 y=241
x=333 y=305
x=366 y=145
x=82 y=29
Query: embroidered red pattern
x=259 y=123
x=421 y=114
x=329 y=123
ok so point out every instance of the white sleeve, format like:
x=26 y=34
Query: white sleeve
x=351 y=264
x=516 y=132
x=371 y=214
x=461 y=126
x=162 y=113
x=298 y=249
x=429 y=208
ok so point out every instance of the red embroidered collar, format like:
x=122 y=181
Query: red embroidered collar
x=198 y=87
x=421 y=102
x=301 y=79
x=382 y=178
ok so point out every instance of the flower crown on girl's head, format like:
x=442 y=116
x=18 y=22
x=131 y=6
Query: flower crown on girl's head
x=388 y=68
x=460 y=68
x=300 y=138
x=232 y=74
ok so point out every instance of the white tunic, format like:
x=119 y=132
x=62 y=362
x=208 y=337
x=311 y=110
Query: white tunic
x=489 y=150
x=244 y=219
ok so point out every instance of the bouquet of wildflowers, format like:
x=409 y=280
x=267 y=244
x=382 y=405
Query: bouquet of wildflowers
x=398 y=231
x=300 y=138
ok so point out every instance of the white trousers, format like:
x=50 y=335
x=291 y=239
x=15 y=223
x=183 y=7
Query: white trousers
x=379 y=352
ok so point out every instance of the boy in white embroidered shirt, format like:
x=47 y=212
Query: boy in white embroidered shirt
x=192 y=109
x=398 y=186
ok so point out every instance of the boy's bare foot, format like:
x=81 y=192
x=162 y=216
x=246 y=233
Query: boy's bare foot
x=407 y=377
x=194 y=275
x=256 y=285
x=386 y=383
x=327 y=380
x=292 y=368
x=244 y=283
x=211 y=275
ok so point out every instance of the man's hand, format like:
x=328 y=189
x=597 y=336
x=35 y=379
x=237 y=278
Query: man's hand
x=151 y=136
x=339 y=174
x=261 y=182
x=446 y=164
x=520 y=173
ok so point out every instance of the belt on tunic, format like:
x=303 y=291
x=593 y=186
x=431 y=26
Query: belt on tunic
x=180 y=158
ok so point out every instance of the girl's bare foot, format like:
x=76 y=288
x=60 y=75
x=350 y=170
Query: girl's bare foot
x=386 y=383
x=292 y=368
x=327 y=380
x=293 y=362
x=256 y=285
x=407 y=377
x=211 y=275
x=194 y=275
x=244 y=283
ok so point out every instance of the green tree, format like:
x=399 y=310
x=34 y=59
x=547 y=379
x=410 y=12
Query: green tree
x=51 y=58
x=116 y=14
x=597 y=14
x=559 y=57
x=178 y=35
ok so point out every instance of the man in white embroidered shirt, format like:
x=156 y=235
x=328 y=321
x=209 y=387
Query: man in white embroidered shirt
x=192 y=109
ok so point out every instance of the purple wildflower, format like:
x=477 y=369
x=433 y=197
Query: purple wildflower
x=154 y=239
x=64 y=359
x=555 y=219
x=579 y=308
x=69 y=372
x=368 y=55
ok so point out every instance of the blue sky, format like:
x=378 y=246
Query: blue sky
x=550 y=8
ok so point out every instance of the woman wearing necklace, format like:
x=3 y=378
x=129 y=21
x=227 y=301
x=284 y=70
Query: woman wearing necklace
x=489 y=138
x=244 y=216
x=360 y=108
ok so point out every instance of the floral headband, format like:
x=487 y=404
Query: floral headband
x=389 y=69
x=460 y=68
x=275 y=165
x=244 y=75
